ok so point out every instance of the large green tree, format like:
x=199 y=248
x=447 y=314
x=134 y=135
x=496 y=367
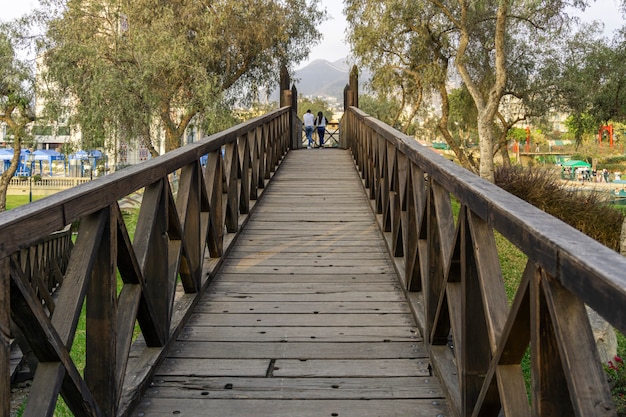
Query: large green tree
x=16 y=101
x=136 y=68
x=592 y=80
x=480 y=40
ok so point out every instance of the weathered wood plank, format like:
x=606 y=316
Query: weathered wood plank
x=214 y=367
x=191 y=388
x=302 y=408
x=321 y=269
x=350 y=367
x=298 y=257
x=272 y=350
x=313 y=297
x=298 y=288
x=301 y=334
x=5 y=337
x=303 y=320
x=340 y=248
x=288 y=307
x=320 y=278
x=311 y=261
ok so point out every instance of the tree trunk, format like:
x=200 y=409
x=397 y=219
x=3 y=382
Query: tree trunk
x=6 y=176
x=443 y=128
x=485 y=132
x=486 y=106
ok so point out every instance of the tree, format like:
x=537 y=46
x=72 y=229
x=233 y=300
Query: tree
x=474 y=37
x=407 y=47
x=134 y=68
x=315 y=105
x=16 y=101
x=384 y=109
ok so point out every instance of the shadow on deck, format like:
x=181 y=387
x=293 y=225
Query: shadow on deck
x=306 y=316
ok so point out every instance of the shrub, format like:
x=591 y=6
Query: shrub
x=584 y=210
x=616 y=374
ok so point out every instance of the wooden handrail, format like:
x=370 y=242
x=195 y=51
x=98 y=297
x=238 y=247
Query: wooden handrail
x=451 y=271
x=179 y=240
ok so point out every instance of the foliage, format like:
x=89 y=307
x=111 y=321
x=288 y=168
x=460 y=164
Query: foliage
x=132 y=68
x=590 y=80
x=16 y=97
x=581 y=124
x=383 y=108
x=517 y=134
x=389 y=38
x=616 y=373
x=497 y=48
x=586 y=211
x=315 y=105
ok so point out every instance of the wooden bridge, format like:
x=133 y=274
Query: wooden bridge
x=305 y=317
x=280 y=281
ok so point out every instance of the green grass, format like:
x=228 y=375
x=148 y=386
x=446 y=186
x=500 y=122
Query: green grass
x=14 y=201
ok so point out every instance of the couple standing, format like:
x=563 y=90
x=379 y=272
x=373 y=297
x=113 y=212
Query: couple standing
x=310 y=122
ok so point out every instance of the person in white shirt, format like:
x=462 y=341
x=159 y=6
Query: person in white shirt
x=309 y=124
x=320 y=123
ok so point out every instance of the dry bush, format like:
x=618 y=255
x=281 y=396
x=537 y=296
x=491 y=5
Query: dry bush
x=585 y=210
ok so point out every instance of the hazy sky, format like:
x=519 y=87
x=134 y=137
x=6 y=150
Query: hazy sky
x=333 y=46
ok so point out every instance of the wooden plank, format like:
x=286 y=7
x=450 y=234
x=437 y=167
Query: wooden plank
x=313 y=297
x=289 y=307
x=156 y=407
x=258 y=247
x=298 y=288
x=311 y=261
x=101 y=336
x=272 y=350
x=321 y=269
x=304 y=254
x=191 y=388
x=214 y=367
x=319 y=278
x=350 y=368
x=347 y=227
x=5 y=337
x=303 y=320
x=301 y=334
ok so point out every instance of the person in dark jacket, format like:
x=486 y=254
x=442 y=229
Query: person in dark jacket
x=320 y=123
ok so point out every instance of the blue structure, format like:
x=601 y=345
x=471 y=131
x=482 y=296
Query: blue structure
x=47 y=155
x=92 y=157
x=23 y=169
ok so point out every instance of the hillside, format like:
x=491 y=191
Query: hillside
x=322 y=78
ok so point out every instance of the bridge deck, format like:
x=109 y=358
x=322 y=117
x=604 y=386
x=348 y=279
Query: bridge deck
x=305 y=317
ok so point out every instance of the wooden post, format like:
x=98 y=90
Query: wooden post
x=354 y=85
x=5 y=338
x=347 y=97
x=284 y=82
x=296 y=127
x=289 y=98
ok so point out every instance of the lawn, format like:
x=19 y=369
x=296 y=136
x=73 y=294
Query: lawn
x=14 y=201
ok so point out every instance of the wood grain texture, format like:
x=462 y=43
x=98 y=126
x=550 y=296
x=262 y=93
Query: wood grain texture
x=305 y=316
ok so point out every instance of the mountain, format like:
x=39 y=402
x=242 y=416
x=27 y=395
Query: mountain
x=322 y=78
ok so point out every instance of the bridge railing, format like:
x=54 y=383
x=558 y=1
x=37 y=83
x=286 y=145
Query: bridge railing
x=178 y=240
x=451 y=270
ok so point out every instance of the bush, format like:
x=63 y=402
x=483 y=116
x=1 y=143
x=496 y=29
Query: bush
x=584 y=210
x=616 y=373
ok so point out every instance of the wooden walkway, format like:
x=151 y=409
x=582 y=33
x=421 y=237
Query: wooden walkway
x=305 y=317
